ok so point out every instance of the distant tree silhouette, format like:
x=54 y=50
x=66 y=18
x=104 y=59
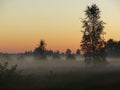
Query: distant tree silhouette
x=56 y=54
x=93 y=43
x=40 y=50
x=68 y=52
x=78 y=52
x=29 y=53
x=113 y=47
x=49 y=52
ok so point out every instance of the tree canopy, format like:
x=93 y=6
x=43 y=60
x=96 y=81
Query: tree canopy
x=93 y=43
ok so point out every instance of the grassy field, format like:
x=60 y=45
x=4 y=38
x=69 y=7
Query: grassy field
x=61 y=75
x=70 y=81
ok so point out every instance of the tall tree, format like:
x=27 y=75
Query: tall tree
x=93 y=44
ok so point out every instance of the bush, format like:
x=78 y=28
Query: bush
x=9 y=76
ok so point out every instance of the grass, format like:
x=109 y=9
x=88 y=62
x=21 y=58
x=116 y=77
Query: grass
x=12 y=79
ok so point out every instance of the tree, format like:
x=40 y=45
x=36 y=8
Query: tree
x=77 y=52
x=56 y=54
x=40 y=50
x=113 y=48
x=68 y=52
x=93 y=44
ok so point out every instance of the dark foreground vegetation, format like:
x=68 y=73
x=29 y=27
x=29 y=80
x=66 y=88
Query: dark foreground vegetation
x=87 y=79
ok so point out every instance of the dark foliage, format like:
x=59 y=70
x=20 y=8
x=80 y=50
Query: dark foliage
x=56 y=55
x=93 y=44
x=69 y=55
x=40 y=51
x=68 y=52
x=78 y=52
x=11 y=79
x=113 y=48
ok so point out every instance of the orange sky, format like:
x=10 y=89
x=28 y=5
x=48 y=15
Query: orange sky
x=23 y=23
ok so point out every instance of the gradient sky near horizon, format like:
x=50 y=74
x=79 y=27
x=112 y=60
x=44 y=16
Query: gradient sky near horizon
x=23 y=23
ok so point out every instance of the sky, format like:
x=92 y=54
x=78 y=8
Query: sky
x=23 y=23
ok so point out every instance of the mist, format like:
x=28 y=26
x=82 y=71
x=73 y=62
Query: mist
x=37 y=66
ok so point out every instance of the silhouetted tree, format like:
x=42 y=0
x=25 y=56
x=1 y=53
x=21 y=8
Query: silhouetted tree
x=93 y=43
x=49 y=52
x=113 y=47
x=68 y=52
x=29 y=53
x=40 y=50
x=78 y=52
x=56 y=54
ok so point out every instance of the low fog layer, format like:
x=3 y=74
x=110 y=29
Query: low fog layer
x=32 y=65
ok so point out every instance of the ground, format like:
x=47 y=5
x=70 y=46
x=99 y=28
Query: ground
x=60 y=74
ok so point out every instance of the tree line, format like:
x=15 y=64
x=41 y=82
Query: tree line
x=42 y=51
x=113 y=48
x=93 y=44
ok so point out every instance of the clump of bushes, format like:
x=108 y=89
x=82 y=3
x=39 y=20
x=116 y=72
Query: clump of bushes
x=8 y=75
x=6 y=72
x=12 y=79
